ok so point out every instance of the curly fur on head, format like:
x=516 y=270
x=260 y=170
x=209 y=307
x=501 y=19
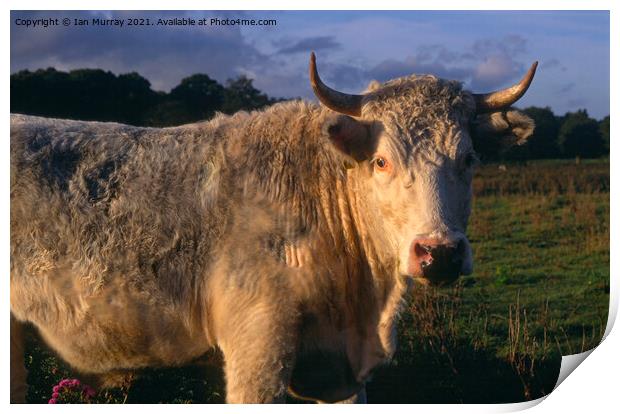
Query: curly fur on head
x=417 y=96
x=416 y=108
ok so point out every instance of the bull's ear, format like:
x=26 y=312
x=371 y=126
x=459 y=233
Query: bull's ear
x=350 y=136
x=496 y=132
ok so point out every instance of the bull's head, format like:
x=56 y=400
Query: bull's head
x=413 y=142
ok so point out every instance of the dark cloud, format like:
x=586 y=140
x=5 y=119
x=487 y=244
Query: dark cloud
x=310 y=44
x=428 y=53
x=577 y=103
x=347 y=77
x=552 y=64
x=566 y=87
x=549 y=64
x=163 y=55
x=510 y=45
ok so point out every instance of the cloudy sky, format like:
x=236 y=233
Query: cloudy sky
x=484 y=49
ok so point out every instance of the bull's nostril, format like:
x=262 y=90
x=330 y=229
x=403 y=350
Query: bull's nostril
x=424 y=265
x=422 y=250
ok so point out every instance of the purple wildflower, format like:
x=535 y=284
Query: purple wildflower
x=89 y=391
x=70 y=390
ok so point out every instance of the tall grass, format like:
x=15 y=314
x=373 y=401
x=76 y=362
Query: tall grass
x=540 y=234
x=549 y=178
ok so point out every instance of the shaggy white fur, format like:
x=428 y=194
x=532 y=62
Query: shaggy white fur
x=272 y=235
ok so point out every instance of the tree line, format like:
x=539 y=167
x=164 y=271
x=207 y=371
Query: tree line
x=97 y=95
x=574 y=134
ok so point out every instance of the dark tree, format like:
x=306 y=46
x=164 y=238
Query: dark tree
x=42 y=92
x=87 y=94
x=198 y=97
x=97 y=95
x=544 y=142
x=91 y=95
x=579 y=136
x=604 y=129
x=241 y=95
x=134 y=97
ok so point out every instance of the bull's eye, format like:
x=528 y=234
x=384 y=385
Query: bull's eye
x=381 y=164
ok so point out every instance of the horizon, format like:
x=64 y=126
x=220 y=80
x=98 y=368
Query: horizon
x=486 y=50
x=284 y=98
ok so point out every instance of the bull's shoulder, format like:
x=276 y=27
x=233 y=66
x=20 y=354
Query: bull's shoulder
x=278 y=155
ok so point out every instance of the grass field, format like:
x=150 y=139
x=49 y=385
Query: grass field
x=540 y=289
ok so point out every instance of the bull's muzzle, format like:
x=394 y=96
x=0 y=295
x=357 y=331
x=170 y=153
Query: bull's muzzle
x=436 y=262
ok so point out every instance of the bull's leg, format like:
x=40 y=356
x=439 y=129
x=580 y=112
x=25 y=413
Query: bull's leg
x=258 y=343
x=18 y=368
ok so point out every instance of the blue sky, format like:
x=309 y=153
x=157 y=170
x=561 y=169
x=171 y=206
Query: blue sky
x=485 y=49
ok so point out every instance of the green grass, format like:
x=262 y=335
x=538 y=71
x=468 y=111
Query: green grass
x=540 y=289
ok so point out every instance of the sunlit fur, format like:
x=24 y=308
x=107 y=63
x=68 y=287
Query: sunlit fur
x=135 y=247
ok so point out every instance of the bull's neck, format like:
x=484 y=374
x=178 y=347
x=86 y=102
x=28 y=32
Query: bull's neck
x=354 y=229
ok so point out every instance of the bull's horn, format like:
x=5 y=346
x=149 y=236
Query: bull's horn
x=337 y=101
x=500 y=99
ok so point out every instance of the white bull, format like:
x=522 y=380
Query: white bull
x=286 y=237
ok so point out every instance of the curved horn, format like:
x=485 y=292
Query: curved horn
x=337 y=101
x=505 y=97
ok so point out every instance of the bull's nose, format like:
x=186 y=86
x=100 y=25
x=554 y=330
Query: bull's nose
x=437 y=261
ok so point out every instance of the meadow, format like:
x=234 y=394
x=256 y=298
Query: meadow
x=540 y=289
